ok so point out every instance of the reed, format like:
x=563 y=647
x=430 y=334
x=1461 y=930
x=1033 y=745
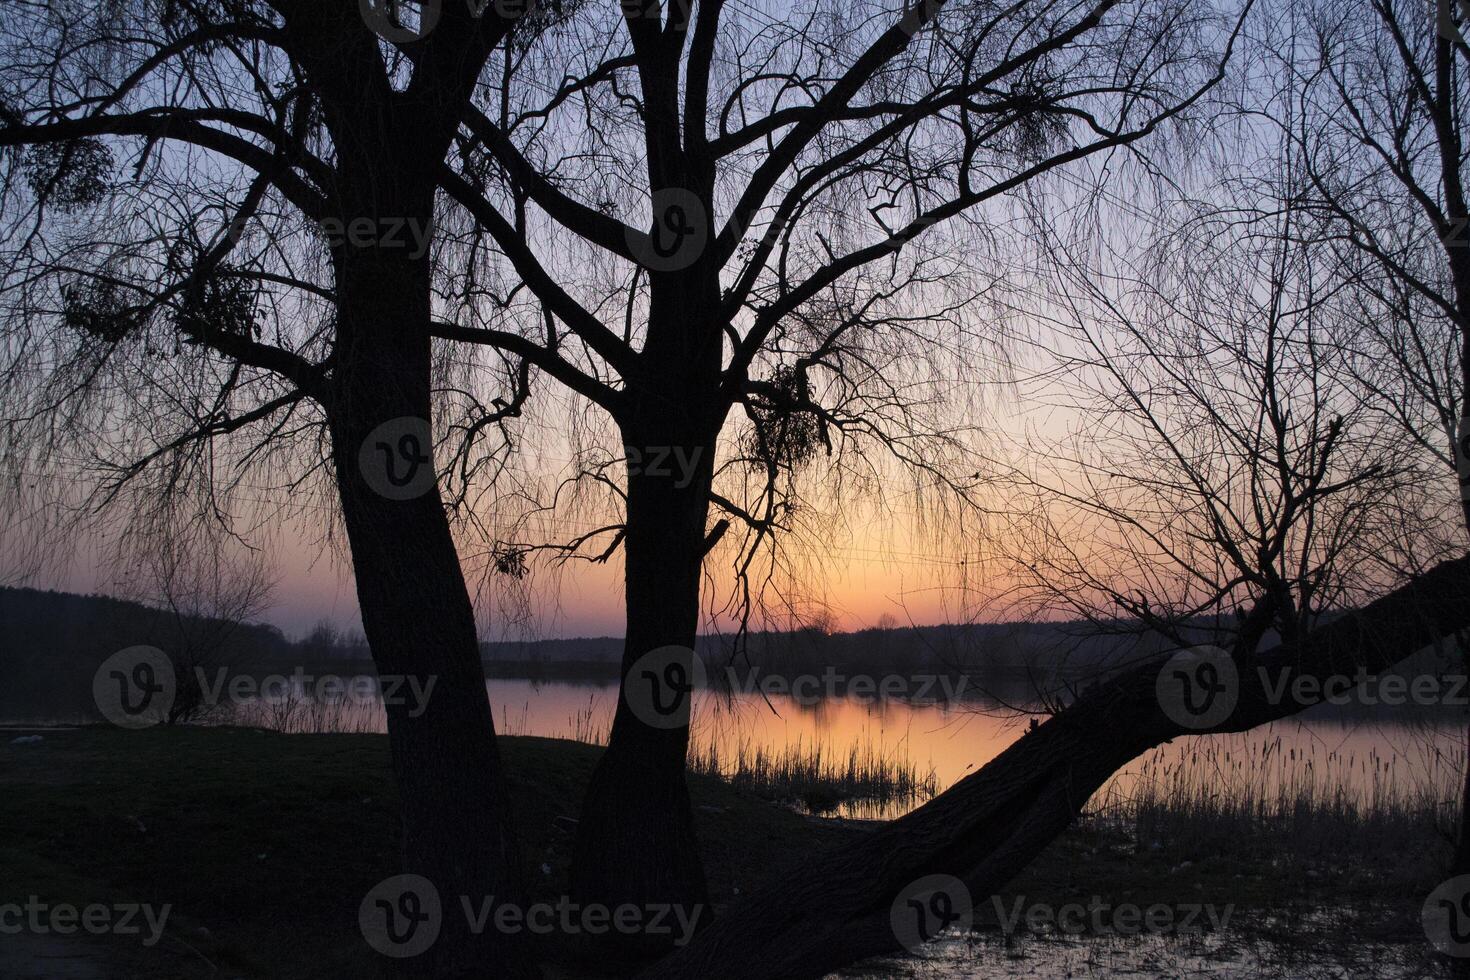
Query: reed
x=1202 y=798
x=861 y=780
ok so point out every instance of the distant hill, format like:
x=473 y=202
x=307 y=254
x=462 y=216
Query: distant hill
x=51 y=628
x=53 y=642
x=50 y=624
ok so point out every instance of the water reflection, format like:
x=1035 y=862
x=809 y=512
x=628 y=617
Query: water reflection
x=1369 y=758
x=1364 y=755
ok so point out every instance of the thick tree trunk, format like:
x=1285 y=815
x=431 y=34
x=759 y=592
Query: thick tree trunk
x=419 y=623
x=835 y=909
x=635 y=842
x=635 y=839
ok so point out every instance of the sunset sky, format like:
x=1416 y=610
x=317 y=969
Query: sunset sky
x=862 y=569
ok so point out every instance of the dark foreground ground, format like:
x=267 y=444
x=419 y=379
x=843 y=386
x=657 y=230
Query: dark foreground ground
x=264 y=845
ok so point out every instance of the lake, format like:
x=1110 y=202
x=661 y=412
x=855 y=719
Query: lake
x=1371 y=756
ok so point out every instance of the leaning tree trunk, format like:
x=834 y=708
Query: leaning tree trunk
x=417 y=617
x=835 y=908
x=635 y=840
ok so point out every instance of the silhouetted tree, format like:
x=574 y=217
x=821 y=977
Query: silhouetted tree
x=210 y=589
x=257 y=220
x=210 y=259
x=1373 y=107
x=1216 y=482
x=1374 y=104
x=272 y=233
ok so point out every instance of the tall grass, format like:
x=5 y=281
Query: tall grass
x=1308 y=804
x=858 y=780
x=295 y=714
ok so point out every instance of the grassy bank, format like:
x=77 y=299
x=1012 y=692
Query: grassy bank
x=265 y=843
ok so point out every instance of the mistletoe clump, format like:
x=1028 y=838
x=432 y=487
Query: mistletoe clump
x=1037 y=127
x=510 y=562
x=222 y=302
x=537 y=17
x=786 y=431
x=70 y=175
x=97 y=309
